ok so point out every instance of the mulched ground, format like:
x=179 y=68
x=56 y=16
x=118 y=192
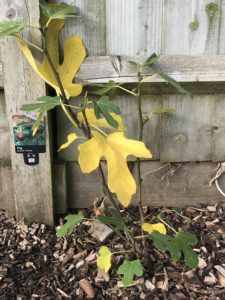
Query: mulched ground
x=34 y=264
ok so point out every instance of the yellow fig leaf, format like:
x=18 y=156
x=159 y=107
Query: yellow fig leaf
x=100 y=122
x=70 y=139
x=104 y=259
x=160 y=227
x=74 y=54
x=114 y=148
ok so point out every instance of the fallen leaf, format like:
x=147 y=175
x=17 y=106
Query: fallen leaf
x=115 y=148
x=104 y=259
x=129 y=269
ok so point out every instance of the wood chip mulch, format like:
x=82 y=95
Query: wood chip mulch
x=35 y=264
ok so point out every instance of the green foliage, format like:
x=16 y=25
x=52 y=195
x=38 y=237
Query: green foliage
x=104 y=259
x=178 y=245
x=45 y=103
x=103 y=107
x=115 y=219
x=163 y=110
x=173 y=82
x=129 y=269
x=10 y=28
x=68 y=227
x=151 y=60
x=102 y=89
x=61 y=11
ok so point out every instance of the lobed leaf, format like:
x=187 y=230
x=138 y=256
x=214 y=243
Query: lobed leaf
x=173 y=82
x=10 y=28
x=103 y=107
x=68 y=227
x=178 y=245
x=45 y=103
x=160 y=227
x=102 y=89
x=151 y=60
x=115 y=148
x=74 y=54
x=101 y=123
x=129 y=269
x=115 y=219
x=165 y=243
x=70 y=139
x=104 y=259
x=58 y=11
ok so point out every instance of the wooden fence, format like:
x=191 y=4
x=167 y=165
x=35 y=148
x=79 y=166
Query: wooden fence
x=186 y=145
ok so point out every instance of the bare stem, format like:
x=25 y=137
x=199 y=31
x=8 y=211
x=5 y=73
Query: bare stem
x=140 y=137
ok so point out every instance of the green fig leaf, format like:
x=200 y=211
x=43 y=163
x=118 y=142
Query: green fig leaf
x=59 y=11
x=10 y=28
x=178 y=245
x=44 y=104
x=114 y=219
x=103 y=107
x=173 y=82
x=129 y=269
x=68 y=227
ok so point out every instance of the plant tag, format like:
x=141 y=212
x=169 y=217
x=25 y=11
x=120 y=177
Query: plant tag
x=31 y=158
x=24 y=140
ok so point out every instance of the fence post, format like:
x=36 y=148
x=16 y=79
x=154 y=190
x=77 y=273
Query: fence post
x=32 y=184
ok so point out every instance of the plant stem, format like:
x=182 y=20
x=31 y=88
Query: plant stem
x=140 y=137
x=164 y=222
x=126 y=90
x=68 y=114
x=98 y=129
x=86 y=129
x=30 y=44
x=104 y=183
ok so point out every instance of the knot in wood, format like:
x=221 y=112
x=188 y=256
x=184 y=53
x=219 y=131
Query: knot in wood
x=11 y=13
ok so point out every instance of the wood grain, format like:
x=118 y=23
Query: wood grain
x=33 y=185
x=187 y=186
x=183 y=68
x=4 y=130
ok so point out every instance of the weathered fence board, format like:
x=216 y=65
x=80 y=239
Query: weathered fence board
x=218 y=117
x=4 y=131
x=187 y=186
x=33 y=185
x=134 y=27
x=183 y=68
x=171 y=28
x=7 y=197
x=186 y=134
x=91 y=25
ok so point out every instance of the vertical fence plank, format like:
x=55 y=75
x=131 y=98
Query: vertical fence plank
x=91 y=25
x=33 y=184
x=186 y=134
x=134 y=27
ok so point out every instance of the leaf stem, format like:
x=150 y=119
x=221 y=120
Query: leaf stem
x=98 y=129
x=126 y=90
